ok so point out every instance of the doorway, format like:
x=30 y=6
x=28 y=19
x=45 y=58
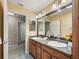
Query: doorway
x=16 y=29
x=1 y=31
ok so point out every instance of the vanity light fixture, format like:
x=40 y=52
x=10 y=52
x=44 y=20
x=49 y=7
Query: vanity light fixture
x=54 y=6
x=40 y=14
x=37 y=16
x=11 y=13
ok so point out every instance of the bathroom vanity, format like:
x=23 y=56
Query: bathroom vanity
x=39 y=49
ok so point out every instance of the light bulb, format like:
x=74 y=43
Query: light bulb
x=39 y=14
x=36 y=16
x=54 y=6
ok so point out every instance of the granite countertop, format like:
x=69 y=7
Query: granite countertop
x=61 y=49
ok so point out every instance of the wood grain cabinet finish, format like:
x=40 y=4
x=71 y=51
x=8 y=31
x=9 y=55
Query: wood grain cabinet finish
x=45 y=55
x=34 y=51
x=40 y=51
x=33 y=48
x=53 y=58
x=30 y=47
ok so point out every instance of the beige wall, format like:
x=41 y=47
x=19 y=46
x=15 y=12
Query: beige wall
x=66 y=22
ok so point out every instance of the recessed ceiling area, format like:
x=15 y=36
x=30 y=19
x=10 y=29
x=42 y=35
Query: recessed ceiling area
x=33 y=5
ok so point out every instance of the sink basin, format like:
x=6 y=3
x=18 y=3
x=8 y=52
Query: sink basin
x=57 y=44
x=39 y=38
x=36 y=38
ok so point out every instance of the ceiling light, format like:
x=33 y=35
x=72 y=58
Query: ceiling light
x=59 y=10
x=69 y=6
x=40 y=14
x=10 y=13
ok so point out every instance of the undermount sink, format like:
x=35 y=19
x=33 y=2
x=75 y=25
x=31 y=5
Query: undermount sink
x=37 y=38
x=57 y=44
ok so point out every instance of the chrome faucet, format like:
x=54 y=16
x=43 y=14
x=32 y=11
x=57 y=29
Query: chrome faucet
x=58 y=38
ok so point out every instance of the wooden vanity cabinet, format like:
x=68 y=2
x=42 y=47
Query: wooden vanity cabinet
x=41 y=51
x=45 y=55
x=30 y=46
x=33 y=48
x=49 y=52
x=55 y=54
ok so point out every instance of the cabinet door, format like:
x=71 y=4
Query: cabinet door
x=30 y=47
x=62 y=56
x=45 y=55
x=38 y=52
x=34 y=50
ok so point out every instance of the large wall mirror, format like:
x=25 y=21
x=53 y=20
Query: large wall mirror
x=32 y=25
x=32 y=28
x=41 y=27
x=55 y=28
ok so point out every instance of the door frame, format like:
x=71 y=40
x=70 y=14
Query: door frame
x=75 y=30
x=19 y=23
x=1 y=30
x=5 y=46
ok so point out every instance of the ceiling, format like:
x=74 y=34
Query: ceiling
x=33 y=5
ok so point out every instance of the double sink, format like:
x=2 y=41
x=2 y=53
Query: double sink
x=51 y=42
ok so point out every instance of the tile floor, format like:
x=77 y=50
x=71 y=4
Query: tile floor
x=17 y=52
